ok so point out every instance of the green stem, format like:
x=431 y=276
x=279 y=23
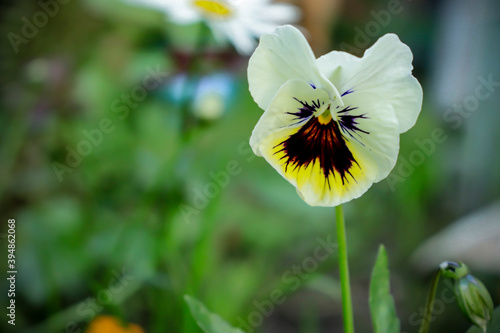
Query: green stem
x=344 y=272
x=426 y=323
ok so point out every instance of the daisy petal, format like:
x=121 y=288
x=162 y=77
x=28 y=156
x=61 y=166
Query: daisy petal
x=281 y=13
x=243 y=40
x=281 y=56
x=385 y=69
x=180 y=13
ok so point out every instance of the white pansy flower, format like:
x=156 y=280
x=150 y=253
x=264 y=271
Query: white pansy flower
x=331 y=125
x=238 y=21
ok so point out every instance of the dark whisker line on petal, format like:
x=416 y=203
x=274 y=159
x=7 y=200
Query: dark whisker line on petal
x=349 y=91
x=347 y=109
x=350 y=123
x=305 y=112
x=297 y=123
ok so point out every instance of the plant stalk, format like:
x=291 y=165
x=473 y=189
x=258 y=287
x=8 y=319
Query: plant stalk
x=426 y=323
x=344 y=272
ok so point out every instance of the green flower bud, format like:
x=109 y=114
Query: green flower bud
x=453 y=270
x=474 y=300
x=472 y=296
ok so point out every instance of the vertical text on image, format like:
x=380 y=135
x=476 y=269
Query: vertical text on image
x=11 y=271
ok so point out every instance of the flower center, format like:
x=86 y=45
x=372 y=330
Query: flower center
x=318 y=142
x=325 y=117
x=214 y=8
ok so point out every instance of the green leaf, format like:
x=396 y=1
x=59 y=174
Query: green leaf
x=493 y=327
x=382 y=306
x=208 y=322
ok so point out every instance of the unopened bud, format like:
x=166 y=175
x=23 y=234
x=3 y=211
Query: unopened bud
x=472 y=296
x=453 y=270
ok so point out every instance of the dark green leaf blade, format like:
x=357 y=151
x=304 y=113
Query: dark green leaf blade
x=208 y=322
x=382 y=306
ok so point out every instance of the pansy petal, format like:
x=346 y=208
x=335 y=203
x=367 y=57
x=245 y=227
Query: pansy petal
x=319 y=182
x=336 y=66
x=369 y=123
x=385 y=69
x=328 y=161
x=281 y=56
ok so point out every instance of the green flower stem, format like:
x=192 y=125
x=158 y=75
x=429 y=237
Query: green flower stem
x=430 y=303
x=344 y=272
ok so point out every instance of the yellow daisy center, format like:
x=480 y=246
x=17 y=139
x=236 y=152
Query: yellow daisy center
x=213 y=7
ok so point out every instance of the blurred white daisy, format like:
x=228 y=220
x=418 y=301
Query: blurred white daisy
x=237 y=21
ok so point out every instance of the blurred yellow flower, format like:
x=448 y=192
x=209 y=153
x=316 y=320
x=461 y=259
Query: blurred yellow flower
x=109 y=324
x=331 y=125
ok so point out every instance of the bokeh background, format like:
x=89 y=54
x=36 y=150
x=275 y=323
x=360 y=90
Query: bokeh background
x=128 y=229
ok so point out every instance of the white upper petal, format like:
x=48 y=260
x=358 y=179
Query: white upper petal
x=385 y=69
x=281 y=56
